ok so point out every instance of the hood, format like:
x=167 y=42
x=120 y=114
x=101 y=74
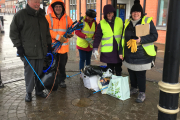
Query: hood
x=50 y=9
x=108 y=8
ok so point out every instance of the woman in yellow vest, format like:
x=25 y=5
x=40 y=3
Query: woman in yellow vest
x=108 y=33
x=85 y=38
x=138 y=52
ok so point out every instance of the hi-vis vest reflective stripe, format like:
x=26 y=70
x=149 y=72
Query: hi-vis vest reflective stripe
x=149 y=47
x=59 y=30
x=89 y=32
x=107 y=38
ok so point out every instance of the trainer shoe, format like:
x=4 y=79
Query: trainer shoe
x=141 y=97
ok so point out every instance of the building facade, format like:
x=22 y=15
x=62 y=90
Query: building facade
x=2 y=6
x=158 y=9
x=10 y=6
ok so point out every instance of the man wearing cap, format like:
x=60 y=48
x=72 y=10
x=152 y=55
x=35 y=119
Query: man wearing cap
x=85 y=38
x=59 y=22
x=29 y=32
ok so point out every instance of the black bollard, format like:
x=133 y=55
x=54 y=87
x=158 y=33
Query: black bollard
x=169 y=86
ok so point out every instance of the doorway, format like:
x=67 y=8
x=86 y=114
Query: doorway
x=121 y=11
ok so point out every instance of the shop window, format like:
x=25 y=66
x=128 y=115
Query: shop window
x=91 y=4
x=73 y=9
x=162 y=13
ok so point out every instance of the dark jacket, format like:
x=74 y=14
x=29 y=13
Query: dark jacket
x=30 y=29
x=113 y=56
x=140 y=57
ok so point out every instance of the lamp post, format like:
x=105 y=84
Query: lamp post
x=169 y=86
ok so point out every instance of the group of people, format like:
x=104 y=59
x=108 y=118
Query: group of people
x=33 y=33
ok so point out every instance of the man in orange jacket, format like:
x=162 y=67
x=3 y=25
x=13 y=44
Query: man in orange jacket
x=59 y=22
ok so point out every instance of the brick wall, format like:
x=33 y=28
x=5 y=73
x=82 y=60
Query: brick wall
x=152 y=11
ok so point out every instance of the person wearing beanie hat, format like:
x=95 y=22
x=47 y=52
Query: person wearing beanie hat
x=59 y=22
x=108 y=34
x=138 y=8
x=138 y=52
x=85 y=37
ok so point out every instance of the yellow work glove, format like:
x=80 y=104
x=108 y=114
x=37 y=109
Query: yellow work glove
x=129 y=44
x=133 y=46
x=62 y=39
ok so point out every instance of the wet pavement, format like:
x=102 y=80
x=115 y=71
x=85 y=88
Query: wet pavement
x=75 y=102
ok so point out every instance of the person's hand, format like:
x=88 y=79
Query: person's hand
x=121 y=57
x=86 y=37
x=70 y=35
x=20 y=51
x=62 y=39
x=95 y=53
x=138 y=40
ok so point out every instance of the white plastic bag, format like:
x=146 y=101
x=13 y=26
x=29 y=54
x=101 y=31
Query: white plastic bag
x=119 y=87
x=91 y=82
x=108 y=73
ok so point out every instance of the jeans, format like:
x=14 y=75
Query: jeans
x=84 y=56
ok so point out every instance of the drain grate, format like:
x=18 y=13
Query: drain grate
x=82 y=102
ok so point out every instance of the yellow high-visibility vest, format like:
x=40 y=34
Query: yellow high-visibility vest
x=149 y=47
x=89 y=33
x=108 y=34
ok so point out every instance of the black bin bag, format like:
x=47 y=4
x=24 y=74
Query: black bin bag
x=49 y=71
x=91 y=70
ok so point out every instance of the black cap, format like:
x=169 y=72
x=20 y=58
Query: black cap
x=91 y=13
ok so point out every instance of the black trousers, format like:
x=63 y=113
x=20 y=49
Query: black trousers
x=116 y=67
x=62 y=58
x=138 y=79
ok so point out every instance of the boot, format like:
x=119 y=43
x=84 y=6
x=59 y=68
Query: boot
x=62 y=85
x=43 y=95
x=133 y=90
x=1 y=84
x=28 y=97
x=141 y=97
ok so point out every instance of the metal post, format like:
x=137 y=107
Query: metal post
x=169 y=86
x=79 y=9
x=100 y=9
x=144 y=6
x=114 y=3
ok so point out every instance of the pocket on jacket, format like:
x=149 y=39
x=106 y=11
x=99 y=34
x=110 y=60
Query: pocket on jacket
x=30 y=51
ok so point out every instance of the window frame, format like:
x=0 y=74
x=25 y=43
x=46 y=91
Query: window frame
x=94 y=4
x=161 y=26
x=71 y=6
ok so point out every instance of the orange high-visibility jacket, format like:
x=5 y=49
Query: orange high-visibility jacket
x=58 y=27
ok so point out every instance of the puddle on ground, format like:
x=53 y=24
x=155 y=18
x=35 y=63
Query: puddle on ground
x=82 y=102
